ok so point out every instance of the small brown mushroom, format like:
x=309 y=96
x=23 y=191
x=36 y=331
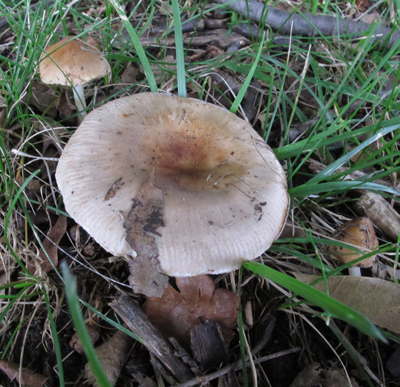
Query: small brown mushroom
x=359 y=233
x=74 y=62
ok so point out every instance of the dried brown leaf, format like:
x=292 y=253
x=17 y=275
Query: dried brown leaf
x=75 y=342
x=130 y=74
x=362 y=5
x=178 y=312
x=315 y=375
x=372 y=17
x=377 y=299
x=50 y=245
x=44 y=98
x=26 y=377
x=112 y=355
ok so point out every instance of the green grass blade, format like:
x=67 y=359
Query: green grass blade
x=8 y=216
x=342 y=160
x=56 y=341
x=308 y=189
x=138 y=47
x=180 y=53
x=248 y=79
x=322 y=139
x=335 y=308
x=73 y=304
x=112 y=322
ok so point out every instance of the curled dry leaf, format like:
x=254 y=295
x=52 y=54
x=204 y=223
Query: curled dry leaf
x=377 y=299
x=112 y=355
x=176 y=313
x=75 y=342
x=50 y=245
x=25 y=377
x=359 y=233
x=315 y=375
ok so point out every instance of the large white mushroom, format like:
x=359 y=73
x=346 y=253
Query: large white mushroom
x=191 y=176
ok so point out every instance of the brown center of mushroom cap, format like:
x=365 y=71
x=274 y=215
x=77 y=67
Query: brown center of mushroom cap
x=192 y=156
x=224 y=193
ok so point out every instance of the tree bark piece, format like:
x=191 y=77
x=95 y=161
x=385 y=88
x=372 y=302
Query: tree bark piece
x=385 y=217
x=138 y=323
x=208 y=345
x=310 y=25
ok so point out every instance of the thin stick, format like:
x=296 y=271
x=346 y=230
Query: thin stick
x=237 y=365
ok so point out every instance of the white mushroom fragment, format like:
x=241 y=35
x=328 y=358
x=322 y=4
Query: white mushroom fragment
x=200 y=185
x=359 y=233
x=73 y=62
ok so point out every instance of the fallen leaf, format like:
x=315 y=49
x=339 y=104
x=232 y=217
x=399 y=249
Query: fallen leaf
x=315 y=375
x=372 y=17
x=130 y=74
x=362 y=5
x=75 y=342
x=50 y=245
x=377 y=299
x=44 y=98
x=25 y=376
x=176 y=313
x=112 y=355
x=208 y=345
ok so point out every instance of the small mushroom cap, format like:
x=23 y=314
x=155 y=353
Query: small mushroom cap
x=359 y=232
x=75 y=62
x=224 y=192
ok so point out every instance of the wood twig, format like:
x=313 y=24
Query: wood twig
x=237 y=365
x=382 y=214
x=137 y=321
x=311 y=25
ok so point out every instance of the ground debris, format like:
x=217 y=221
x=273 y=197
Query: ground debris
x=138 y=323
x=24 y=376
x=50 y=246
x=315 y=375
x=178 y=312
x=112 y=355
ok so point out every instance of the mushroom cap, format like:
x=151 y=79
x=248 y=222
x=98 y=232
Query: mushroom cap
x=75 y=62
x=224 y=191
x=360 y=233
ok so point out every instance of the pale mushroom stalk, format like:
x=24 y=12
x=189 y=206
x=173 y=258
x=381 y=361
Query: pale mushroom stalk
x=355 y=271
x=80 y=102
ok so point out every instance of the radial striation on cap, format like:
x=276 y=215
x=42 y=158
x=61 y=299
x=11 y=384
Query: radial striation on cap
x=224 y=191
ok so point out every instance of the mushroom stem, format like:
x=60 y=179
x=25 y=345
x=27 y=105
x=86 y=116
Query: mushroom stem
x=80 y=103
x=355 y=271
